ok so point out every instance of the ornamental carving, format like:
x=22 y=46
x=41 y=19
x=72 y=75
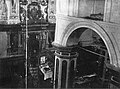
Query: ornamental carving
x=34 y=12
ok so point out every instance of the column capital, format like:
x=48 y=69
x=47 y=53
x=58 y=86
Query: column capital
x=64 y=48
x=65 y=52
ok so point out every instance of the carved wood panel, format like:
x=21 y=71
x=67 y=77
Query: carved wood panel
x=37 y=11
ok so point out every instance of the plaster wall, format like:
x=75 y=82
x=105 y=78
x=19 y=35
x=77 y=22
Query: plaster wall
x=80 y=8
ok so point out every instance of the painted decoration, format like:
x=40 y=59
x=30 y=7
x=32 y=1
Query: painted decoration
x=37 y=11
x=3 y=10
x=52 y=11
x=9 y=11
x=34 y=11
x=13 y=16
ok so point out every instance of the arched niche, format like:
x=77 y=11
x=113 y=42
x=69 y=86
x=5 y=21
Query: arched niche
x=72 y=28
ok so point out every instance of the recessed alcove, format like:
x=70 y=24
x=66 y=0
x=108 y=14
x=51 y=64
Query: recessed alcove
x=93 y=54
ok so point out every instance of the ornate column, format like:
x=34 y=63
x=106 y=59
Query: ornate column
x=65 y=65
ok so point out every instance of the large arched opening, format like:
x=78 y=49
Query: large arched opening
x=95 y=47
x=76 y=27
x=93 y=54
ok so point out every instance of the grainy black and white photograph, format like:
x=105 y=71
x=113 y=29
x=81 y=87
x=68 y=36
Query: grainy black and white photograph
x=60 y=44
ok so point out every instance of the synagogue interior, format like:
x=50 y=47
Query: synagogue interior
x=60 y=44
